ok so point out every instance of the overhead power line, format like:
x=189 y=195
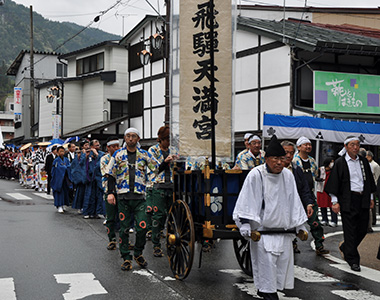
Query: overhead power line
x=96 y=19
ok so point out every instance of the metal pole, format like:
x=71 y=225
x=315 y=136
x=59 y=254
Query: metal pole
x=31 y=74
x=212 y=87
x=62 y=89
x=167 y=63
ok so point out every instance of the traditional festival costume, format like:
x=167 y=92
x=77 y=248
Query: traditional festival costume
x=269 y=201
x=61 y=181
x=111 y=210
x=127 y=179
x=350 y=184
x=161 y=197
x=310 y=170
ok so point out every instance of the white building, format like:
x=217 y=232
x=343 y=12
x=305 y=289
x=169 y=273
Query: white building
x=46 y=67
x=146 y=83
x=93 y=95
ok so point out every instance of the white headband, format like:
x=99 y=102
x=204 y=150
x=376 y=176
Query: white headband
x=302 y=140
x=114 y=142
x=254 y=138
x=132 y=130
x=247 y=135
x=346 y=141
x=350 y=139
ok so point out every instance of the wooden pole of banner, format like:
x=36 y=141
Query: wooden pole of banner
x=212 y=86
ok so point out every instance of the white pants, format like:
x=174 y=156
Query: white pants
x=273 y=270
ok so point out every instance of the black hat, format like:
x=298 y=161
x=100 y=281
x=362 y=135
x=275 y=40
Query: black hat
x=274 y=148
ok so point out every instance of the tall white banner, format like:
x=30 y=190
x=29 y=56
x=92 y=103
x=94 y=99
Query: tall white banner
x=18 y=104
x=195 y=77
x=56 y=126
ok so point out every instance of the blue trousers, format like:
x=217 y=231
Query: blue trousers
x=62 y=198
x=79 y=196
x=93 y=203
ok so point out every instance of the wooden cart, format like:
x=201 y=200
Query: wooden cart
x=202 y=210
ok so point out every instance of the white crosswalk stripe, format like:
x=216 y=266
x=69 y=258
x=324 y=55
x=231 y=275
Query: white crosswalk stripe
x=81 y=285
x=45 y=196
x=355 y=295
x=310 y=276
x=7 y=289
x=307 y=275
x=18 y=196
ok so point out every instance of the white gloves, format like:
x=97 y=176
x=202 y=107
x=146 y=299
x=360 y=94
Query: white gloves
x=245 y=231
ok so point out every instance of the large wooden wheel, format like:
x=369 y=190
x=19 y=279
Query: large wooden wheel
x=180 y=239
x=243 y=255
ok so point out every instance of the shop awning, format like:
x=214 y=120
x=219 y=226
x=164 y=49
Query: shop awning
x=329 y=130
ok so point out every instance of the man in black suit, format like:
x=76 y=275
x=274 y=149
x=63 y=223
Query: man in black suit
x=350 y=186
x=48 y=166
x=71 y=152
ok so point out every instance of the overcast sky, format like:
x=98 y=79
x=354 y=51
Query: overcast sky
x=83 y=12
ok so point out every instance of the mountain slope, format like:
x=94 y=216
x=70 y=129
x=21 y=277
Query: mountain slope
x=48 y=35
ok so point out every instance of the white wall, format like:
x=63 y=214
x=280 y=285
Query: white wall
x=73 y=106
x=245 y=40
x=45 y=117
x=246 y=73
x=275 y=66
x=245 y=112
x=93 y=97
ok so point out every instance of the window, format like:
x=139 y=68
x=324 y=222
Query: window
x=90 y=64
x=135 y=104
x=118 y=108
x=133 y=57
x=61 y=70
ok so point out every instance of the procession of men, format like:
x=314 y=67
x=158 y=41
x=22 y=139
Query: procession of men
x=132 y=189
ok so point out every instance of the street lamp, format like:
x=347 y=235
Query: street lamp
x=156 y=41
x=56 y=92
x=50 y=98
x=144 y=56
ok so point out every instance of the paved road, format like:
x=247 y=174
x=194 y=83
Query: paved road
x=46 y=255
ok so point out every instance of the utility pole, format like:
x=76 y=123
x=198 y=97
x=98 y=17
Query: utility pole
x=31 y=74
x=167 y=65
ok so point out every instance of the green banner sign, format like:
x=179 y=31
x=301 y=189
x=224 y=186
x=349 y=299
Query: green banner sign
x=344 y=92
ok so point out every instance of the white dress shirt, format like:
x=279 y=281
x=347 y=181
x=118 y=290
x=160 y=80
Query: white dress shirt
x=356 y=176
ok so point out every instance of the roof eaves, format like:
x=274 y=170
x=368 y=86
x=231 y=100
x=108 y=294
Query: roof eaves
x=94 y=127
x=13 y=69
x=98 y=45
x=279 y=37
x=134 y=30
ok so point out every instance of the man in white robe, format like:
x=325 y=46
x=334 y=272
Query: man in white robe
x=269 y=201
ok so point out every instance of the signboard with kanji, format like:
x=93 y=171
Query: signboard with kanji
x=56 y=126
x=345 y=92
x=195 y=77
x=17 y=99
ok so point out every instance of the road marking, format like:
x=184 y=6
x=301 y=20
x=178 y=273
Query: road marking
x=7 y=289
x=147 y=274
x=19 y=196
x=154 y=278
x=354 y=295
x=307 y=275
x=248 y=285
x=168 y=278
x=45 y=196
x=81 y=285
x=366 y=272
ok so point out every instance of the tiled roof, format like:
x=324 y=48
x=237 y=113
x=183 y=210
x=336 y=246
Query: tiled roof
x=84 y=131
x=313 y=37
x=13 y=69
